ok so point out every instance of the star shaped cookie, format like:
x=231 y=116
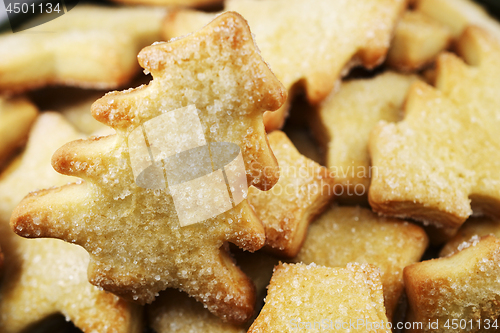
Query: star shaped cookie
x=175 y=311
x=457 y=15
x=443 y=161
x=308 y=44
x=16 y=117
x=90 y=47
x=354 y=234
x=301 y=296
x=357 y=107
x=418 y=40
x=302 y=192
x=423 y=33
x=461 y=288
x=215 y=84
x=43 y=277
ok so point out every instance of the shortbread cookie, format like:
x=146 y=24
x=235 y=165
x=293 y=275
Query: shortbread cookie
x=418 y=39
x=343 y=124
x=90 y=46
x=44 y=277
x=473 y=227
x=301 y=296
x=184 y=3
x=458 y=15
x=308 y=44
x=16 y=117
x=422 y=34
x=211 y=86
x=353 y=234
x=462 y=288
x=302 y=192
x=174 y=311
x=445 y=156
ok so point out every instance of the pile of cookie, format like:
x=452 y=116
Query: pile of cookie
x=363 y=194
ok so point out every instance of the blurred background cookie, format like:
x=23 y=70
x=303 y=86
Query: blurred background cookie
x=16 y=117
x=308 y=46
x=90 y=47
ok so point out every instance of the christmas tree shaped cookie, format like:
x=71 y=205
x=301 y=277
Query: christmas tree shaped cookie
x=210 y=89
x=443 y=161
x=309 y=45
